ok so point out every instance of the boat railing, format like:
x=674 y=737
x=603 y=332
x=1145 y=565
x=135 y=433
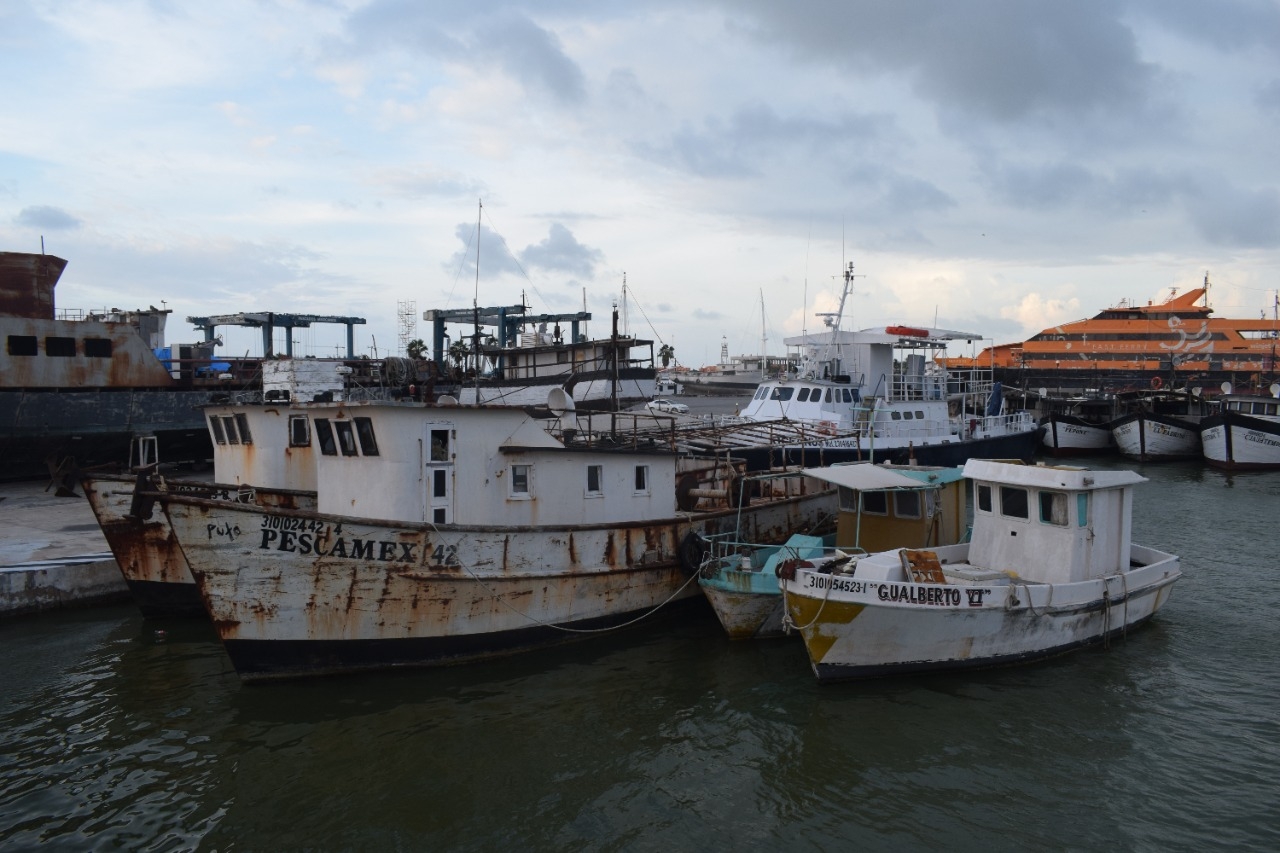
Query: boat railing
x=725 y=552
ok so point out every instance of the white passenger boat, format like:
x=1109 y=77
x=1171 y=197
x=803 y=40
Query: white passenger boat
x=1245 y=434
x=448 y=533
x=877 y=395
x=1050 y=568
x=881 y=506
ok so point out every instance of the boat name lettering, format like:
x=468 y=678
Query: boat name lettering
x=1261 y=438
x=323 y=544
x=280 y=522
x=938 y=596
x=839 y=584
x=229 y=531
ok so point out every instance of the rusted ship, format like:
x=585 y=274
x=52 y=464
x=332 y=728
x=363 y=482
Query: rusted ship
x=1177 y=342
x=446 y=533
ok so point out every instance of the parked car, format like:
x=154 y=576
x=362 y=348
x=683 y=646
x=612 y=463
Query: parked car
x=668 y=406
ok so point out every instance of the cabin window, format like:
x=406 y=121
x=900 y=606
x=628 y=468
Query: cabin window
x=761 y=393
x=562 y=357
x=440 y=483
x=984 y=498
x=1053 y=508
x=642 y=479
x=827 y=397
x=1082 y=509
x=440 y=445
x=848 y=395
x=60 y=347
x=1013 y=502
x=908 y=416
x=919 y=415
x=595 y=477
x=299 y=431
x=875 y=503
x=364 y=432
x=906 y=504
x=229 y=424
x=97 y=347
x=22 y=345
x=520 y=480
x=346 y=437
x=324 y=437
x=896 y=415
x=242 y=423
x=803 y=396
x=781 y=393
x=215 y=425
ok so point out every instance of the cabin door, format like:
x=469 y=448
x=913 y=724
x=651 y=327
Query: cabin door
x=438 y=443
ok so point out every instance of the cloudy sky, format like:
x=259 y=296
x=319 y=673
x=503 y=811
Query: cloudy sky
x=995 y=165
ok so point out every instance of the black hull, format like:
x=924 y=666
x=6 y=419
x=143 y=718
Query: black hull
x=159 y=600
x=271 y=660
x=1021 y=446
x=94 y=427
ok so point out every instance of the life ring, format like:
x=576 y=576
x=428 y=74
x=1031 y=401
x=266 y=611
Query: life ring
x=1156 y=383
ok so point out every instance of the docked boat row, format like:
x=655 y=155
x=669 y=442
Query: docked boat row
x=1234 y=432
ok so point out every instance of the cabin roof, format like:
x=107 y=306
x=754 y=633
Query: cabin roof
x=1049 y=476
x=869 y=477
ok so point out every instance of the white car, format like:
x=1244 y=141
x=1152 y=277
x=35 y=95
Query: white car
x=667 y=406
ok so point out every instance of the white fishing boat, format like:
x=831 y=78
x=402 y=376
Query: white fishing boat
x=262 y=454
x=1244 y=435
x=1079 y=426
x=446 y=533
x=877 y=395
x=881 y=506
x=1159 y=430
x=1050 y=568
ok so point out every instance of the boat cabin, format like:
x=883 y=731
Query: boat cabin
x=892 y=506
x=1050 y=524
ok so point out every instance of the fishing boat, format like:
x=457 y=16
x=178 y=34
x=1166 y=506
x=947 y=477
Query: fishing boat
x=1079 y=425
x=447 y=533
x=881 y=506
x=1050 y=567
x=875 y=395
x=1160 y=427
x=1245 y=434
x=1139 y=346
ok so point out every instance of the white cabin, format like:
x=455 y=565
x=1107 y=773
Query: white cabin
x=1050 y=524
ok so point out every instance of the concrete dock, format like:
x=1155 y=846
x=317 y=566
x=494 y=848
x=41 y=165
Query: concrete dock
x=52 y=552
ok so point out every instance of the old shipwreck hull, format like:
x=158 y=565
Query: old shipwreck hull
x=299 y=593
x=141 y=540
x=94 y=426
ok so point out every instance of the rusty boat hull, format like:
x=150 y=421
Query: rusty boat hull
x=142 y=541
x=301 y=593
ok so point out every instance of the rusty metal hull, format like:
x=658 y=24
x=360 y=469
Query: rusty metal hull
x=298 y=593
x=143 y=543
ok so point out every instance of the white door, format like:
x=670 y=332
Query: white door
x=438 y=441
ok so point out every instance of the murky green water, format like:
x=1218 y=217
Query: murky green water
x=672 y=738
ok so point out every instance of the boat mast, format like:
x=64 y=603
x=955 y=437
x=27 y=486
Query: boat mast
x=764 y=359
x=475 y=302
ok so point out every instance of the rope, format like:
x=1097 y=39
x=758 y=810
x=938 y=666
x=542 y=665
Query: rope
x=498 y=597
x=787 y=623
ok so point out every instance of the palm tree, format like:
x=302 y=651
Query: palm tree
x=458 y=351
x=416 y=349
x=666 y=352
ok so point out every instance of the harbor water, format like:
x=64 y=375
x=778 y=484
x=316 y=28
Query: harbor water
x=120 y=733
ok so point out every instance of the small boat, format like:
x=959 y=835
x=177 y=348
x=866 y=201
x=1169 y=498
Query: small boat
x=446 y=533
x=881 y=506
x=1050 y=567
x=1245 y=434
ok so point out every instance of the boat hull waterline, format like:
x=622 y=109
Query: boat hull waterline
x=297 y=593
x=862 y=628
